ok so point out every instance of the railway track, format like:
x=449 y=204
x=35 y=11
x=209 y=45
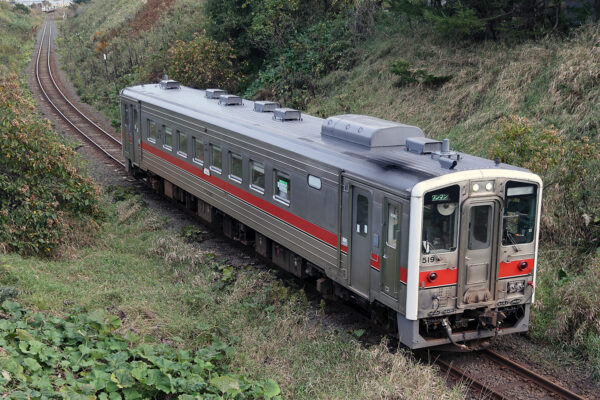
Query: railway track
x=92 y=133
x=490 y=375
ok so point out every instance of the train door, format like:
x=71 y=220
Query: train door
x=136 y=142
x=390 y=262
x=360 y=240
x=125 y=130
x=479 y=236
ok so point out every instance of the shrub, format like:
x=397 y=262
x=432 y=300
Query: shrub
x=22 y=8
x=571 y=203
x=203 y=62
x=41 y=191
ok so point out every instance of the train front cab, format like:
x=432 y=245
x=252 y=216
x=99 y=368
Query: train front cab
x=472 y=257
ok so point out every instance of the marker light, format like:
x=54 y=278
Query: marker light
x=432 y=276
x=523 y=265
x=476 y=187
x=489 y=186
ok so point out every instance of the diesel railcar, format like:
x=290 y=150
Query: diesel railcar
x=445 y=242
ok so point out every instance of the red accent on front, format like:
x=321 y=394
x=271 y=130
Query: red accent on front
x=512 y=268
x=403 y=274
x=444 y=277
x=300 y=223
x=375 y=261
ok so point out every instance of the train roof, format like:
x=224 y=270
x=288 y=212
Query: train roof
x=367 y=147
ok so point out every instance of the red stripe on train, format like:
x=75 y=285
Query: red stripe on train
x=513 y=268
x=450 y=276
x=444 y=277
x=375 y=261
x=300 y=223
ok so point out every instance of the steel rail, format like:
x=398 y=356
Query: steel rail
x=64 y=117
x=532 y=376
x=473 y=384
x=69 y=102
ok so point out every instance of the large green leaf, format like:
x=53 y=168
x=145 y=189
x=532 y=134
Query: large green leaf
x=32 y=364
x=122 y=378
x=226 y=384
x=159 y=380
x=271 y=389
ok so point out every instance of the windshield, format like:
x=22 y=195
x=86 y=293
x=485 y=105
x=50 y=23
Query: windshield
x=440 y=219
x=519 y=213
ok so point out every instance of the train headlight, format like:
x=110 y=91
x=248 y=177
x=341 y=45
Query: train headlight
x=432 y=276
x=523 y=265
x=476 y=187
x=489 y=186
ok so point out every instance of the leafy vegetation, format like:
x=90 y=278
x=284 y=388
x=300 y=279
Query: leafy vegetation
x=41 y=191
x=202 y=63
x=81 y=355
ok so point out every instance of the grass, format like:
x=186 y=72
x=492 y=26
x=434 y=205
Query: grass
x=164 y=288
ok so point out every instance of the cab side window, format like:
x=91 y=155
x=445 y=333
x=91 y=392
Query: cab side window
x=282 y=187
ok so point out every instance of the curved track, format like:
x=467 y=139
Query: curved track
x=100 y=139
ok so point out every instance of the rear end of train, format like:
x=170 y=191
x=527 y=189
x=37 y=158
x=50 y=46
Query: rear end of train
x=472 y=257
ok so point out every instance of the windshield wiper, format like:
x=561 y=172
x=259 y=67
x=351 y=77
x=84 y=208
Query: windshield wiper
x=514 y=243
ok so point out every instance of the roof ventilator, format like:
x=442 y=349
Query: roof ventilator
x=265 y=106
x=230 y=100
x=446 y=157
x=167 y=84
x=368 y=131
x=214 y=94
x=286 y=114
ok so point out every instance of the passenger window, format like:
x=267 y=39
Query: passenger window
x=314 y=182
x=217 y=160
x=168 y=137
x=257 y=181
x=236 y=167
x=182 y=144
x=198 y=146
x=282 y=187
x=362 y=215
x=152 y=131
x=392 y=225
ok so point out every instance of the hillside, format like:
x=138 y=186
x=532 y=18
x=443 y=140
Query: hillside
x=529 y=102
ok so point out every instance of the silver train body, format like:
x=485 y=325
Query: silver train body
x=445 y=242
